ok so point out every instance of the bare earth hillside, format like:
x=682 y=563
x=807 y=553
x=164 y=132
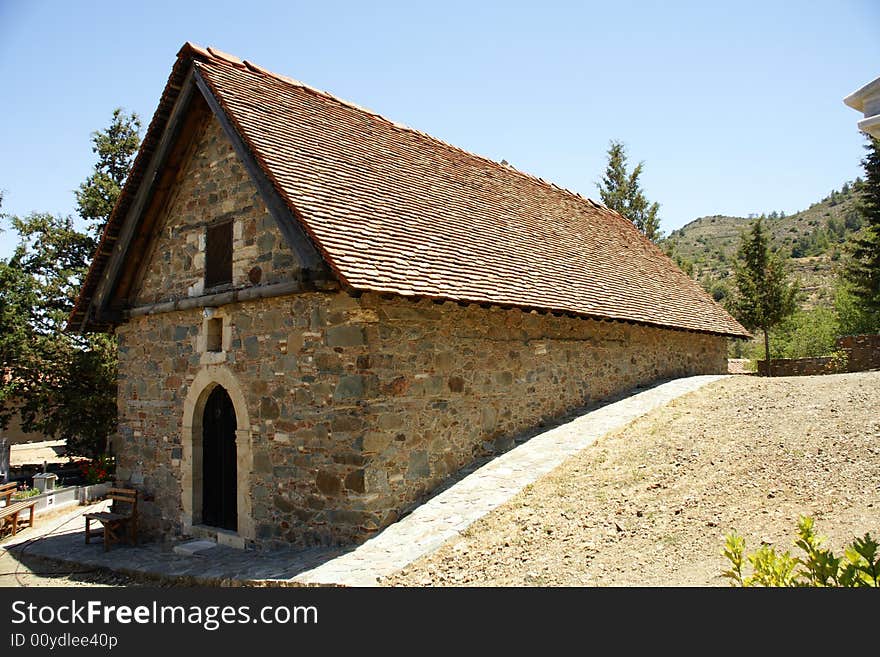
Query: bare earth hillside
x=651 y=504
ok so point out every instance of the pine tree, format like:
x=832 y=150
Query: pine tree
x=116 y=147
x=63 y=385
x=862 y=271
x=763 y=296
x=621 y=191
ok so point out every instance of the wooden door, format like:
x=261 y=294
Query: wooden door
x=219 y=469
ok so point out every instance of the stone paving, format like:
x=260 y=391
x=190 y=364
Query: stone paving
x=416 y=535
x=61 y=540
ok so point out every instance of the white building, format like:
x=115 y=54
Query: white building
x=867 y=101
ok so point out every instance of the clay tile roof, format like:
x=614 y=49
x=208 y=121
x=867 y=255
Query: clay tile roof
x=225 y=56
x=394 y=210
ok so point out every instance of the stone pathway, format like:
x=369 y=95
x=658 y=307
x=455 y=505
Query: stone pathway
x=61 y=540
x=416 y=535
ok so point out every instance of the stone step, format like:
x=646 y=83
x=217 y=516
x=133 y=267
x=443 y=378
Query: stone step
x=191 y=548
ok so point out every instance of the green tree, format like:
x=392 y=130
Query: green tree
x=763 y=295
x=853 y=317
x=718 y=290
x=55 y=255
x=63 y=385
x=18 y=297
x=620 y=190
x=116 y=147
x=805 y=334
x=862 y=269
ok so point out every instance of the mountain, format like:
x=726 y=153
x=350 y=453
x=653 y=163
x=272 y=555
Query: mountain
x=811 y=239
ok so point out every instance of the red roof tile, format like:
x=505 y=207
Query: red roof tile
x=394 y=210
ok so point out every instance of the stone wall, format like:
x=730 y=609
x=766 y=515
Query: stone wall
x=862 y=351
x=854 y=353
x=360 y=406
x=800 y=366
x=213 y=187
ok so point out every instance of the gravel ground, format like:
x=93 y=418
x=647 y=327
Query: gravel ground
x=32 y=571
x=651 y=504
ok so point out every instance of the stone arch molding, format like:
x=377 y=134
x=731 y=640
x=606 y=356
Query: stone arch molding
x=191 y=443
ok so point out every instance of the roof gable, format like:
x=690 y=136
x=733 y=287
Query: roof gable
x=119 y=258
x=211 y=189
x=393 y=210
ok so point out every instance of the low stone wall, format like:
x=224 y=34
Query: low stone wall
x=863 y=351
x=855 y=353
x=54 y=499
x=800 y=366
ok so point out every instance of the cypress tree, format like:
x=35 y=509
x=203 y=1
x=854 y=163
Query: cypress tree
x=62 y=385
x=763 y=297
x=621 y=191
x=862 y=270
x=116 y=147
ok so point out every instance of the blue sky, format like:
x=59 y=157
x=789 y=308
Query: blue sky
x=735 y=107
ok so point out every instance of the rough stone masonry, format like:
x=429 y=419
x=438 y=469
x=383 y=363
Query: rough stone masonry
x=349 y=408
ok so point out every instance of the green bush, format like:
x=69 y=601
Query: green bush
x=860 y=565
x=805 y=334
x=854 y=319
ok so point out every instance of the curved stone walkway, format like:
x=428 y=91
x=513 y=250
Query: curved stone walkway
x=414 y=536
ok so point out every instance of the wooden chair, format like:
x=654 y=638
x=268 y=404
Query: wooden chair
x=119 y=522
x=11 y=512
x=7 y=491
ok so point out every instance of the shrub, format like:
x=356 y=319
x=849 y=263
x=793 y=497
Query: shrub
x=807 y=333
x=25 y=493
x=853 y=317
x=858 y=567
x=97 y=471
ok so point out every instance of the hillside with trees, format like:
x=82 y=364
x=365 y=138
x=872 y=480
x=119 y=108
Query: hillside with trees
x=830 y=252
x=812 y=240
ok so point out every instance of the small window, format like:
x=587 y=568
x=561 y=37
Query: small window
x=218 y=255
x=214 y=335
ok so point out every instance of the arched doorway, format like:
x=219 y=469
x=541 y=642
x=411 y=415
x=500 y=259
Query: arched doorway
x=192 y=470
x=219 y=462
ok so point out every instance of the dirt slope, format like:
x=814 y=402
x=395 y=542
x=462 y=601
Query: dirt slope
x=651 y=504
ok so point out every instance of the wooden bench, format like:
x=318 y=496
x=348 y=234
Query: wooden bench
x=7 y=491
x=119 y=522
x=10 y=513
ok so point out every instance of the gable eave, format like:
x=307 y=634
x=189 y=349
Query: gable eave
x=285 y=213
x=87 y=314
x=92 y=311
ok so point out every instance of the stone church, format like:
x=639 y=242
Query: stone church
x=322 y=314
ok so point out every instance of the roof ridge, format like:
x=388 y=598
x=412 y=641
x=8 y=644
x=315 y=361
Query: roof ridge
x=217 y=55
